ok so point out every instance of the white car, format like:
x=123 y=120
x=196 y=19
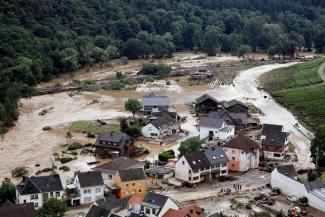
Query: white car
x=292 y=198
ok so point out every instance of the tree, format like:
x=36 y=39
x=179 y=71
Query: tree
x=318 y=145
x=53 y=208
x=133 y=48
x=159 y=70
x=261 y=214
x=133 y=106
x=190 y=145
x=212 y=39
x=68 y=59
x=7 y=191
x=243 y=50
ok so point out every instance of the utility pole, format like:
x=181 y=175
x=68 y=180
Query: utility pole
x=317 y=157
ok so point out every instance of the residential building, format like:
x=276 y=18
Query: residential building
x=114 y=144
x=202 y=165
x=109 y=169
x=156 y=205
x=243 y=154
x=37 y=190
x=131 y=181
x=190 y=211
x=87 y=187
x=316 y=194
x=154 y=103
x=161 y=128
x=235 y=106
x=159 y=174
x=17 y=210
x=274 y=141
x=206 y=104
x=215 y=128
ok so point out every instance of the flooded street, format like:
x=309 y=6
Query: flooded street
x=27 y=144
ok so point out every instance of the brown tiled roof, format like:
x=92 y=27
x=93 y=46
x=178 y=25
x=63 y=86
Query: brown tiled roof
x=136 y=199
x=243 y=143
x=175 y=213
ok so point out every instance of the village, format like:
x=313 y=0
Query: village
x=204 y=157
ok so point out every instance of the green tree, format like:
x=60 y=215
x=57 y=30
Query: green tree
x=190 y=145
x=158 y=70
x=133 y=48
x=243 y=50
x=212 y=38
x=318 y=143
x=133 y=106
x=68 y=59
x=53 y=208
x=261 y=214
x=7 y=191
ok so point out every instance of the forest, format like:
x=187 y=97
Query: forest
x=40 y=39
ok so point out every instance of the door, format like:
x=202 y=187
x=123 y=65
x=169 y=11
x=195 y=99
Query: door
x=210 y=135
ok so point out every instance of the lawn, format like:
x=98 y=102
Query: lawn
x=308 y=104
x=93 y=127
x=299 y=75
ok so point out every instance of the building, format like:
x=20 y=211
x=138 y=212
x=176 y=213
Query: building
x=152 y=103
x=161 y=128
x=199 y=166
x=235 y=106
x=87 y=187
x=206 y=104
x=316 y=194
x=114 y=144
x=243 y=154
x=36 y=190
x=156 y=205
x=274 y=141
x=17 y=210
x=131 y=181
x=109 y=169
x=215 y=128
x=190 y=211
x=157 y=175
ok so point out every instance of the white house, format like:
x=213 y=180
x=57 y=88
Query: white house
x=203 y=165
x=86 y=188
x=215 y=128
x=156 y=205
x=36 y=190
x=164 y=126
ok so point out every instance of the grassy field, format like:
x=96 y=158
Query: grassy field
x=92 y=127
x=299 y=75
x=308 y=104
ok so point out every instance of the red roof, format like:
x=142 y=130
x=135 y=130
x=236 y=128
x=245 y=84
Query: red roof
x=136 y=199
x=190 y=211
x=243 y=143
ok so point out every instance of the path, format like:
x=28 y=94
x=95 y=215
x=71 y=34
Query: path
x=321 y=71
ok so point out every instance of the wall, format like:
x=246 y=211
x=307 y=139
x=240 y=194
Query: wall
x=130 y=187
x=170 y=204
x=148 y=129
x=39 y=201
x=181 y=171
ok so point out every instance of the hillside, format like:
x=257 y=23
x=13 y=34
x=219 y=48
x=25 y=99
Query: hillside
x=40 y=39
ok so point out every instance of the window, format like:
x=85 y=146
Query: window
x=190 y=171
x=142 y=208
x=35 y=205
x=127 y=185
x=140 y=190
x=34 y=196
x=153 y=211
x=233 y=151
x=147 y=211
x=276 y=155
x=57 y=194
x=51 y=194
x=242 y=152
x=133 y=183
x=233 y=158
x=110 y=176
x=183 y=162
x=233 y=165
x=87 y=191
x=98 y=190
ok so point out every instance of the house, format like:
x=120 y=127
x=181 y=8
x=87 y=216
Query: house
x=134 y=202
x=36 y=190
x=154 y=103
x=160 y=128
x=156 y=205
x=215 y=128
x=235 y=106
x=157 y=175
x=114 y=144
x=206 y=104
x=87 y=187
x=109 y=169
x=202 y=165
x=17 y=210
x=131 y=181
x=274 y=141
x=96 y=211
x=285 y=178
x=243 y=154
x=190 y=211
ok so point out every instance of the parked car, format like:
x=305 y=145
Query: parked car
x=292 y=198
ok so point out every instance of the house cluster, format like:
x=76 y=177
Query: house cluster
x=285 y=178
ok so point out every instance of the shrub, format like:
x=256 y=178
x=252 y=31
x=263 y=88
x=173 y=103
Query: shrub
x=64 y=160
x=226 y=178
x=159 y=70
x=312 y=175
x=47 y=169
x=19 y=172
x=75 y=146
x=164 y=156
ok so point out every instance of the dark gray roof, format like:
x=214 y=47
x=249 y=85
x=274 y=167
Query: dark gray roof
x=271 y=128
x=197 y=160
x=275 y=139
x=239 y=118
x=211 y=122
x=163 y=121
x=215 y=215
x=232 y=103
x=18 y=210
x=132 y=174
x=120 y=163
x=155 y=199
x=218 y=114
x=287 y=170
x=205 y=97
x=111 y=203
x=96 y=211
x=216 y=156
x=153 y=99
x=32 y=185
x=310 y=186
x=90 y=178
x=113 y=140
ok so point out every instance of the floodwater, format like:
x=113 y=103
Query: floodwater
x=27 y=144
